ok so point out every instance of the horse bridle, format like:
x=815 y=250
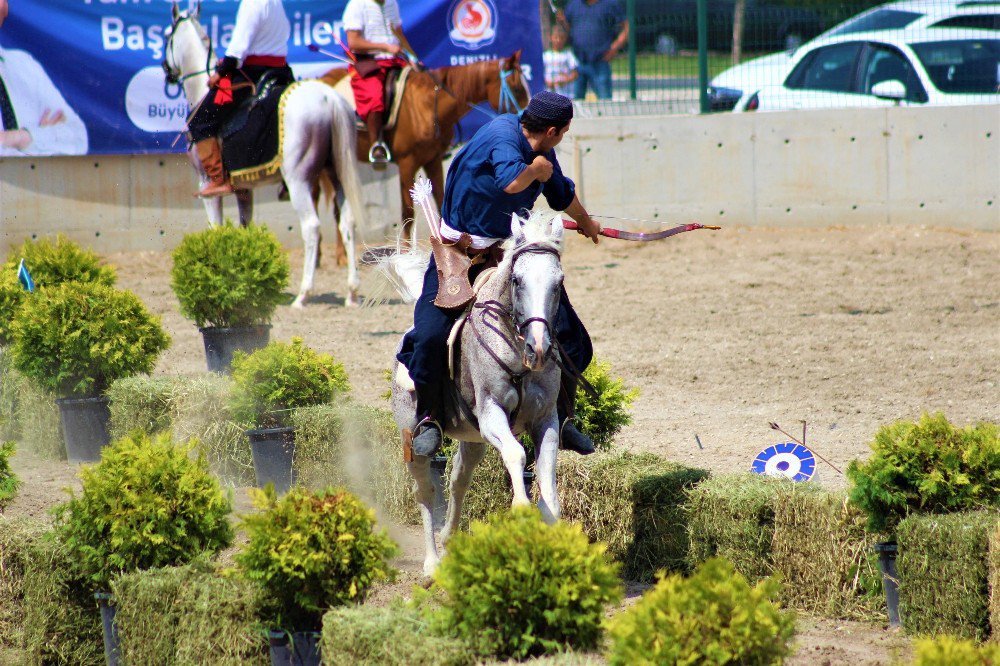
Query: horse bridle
x=180 y=78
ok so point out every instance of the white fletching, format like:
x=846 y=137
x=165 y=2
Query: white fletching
x=422 y=194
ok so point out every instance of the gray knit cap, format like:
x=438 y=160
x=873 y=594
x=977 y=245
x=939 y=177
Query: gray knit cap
x=550 y=107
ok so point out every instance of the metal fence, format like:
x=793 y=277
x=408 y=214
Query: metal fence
x=691 y=56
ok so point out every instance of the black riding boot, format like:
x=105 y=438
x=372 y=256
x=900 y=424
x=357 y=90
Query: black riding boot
x=427 y=434
x=570 y=438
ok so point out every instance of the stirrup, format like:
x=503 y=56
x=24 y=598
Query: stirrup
x=421 y=428
x=374 y=159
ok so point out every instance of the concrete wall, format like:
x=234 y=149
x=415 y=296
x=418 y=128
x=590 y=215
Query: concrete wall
x=932 y=166
x=927 y=166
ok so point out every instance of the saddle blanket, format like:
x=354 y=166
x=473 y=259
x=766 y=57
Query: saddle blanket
x=251 y=140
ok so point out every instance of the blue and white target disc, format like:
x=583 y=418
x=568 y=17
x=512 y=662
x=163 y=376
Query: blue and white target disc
x=790 y=460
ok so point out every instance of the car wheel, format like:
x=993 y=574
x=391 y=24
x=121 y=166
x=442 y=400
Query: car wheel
x=666 y=45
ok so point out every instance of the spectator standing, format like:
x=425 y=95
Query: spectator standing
x=598 y=30
x=560 y=63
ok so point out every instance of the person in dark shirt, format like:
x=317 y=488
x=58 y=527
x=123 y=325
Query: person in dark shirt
x=501 y=171
x=598 y=30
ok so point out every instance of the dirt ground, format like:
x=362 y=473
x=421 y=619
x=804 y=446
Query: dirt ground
x=722 y=332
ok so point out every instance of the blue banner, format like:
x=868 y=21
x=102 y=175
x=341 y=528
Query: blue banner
x=91 y=68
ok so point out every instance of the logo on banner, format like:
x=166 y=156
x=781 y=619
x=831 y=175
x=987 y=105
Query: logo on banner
x=154 y=106
x=472 y=23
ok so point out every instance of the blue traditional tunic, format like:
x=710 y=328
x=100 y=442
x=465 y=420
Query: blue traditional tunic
x=475 y=203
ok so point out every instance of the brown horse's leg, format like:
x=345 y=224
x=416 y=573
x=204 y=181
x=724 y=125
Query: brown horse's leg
x=435 y=171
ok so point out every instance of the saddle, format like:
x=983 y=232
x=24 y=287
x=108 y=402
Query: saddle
x=395 y=84
x=251 y=138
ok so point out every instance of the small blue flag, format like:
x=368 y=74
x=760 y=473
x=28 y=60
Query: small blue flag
x=25 y=277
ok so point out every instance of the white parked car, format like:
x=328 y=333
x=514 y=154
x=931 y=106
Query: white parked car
x=934 y=67
x=732 y=88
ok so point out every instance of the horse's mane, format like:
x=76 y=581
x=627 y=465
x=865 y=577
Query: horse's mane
x=466 y=80
x=536 y=232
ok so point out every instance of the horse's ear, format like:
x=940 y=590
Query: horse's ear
x=556 y=230
x=196 y=11
x=517 y=229
x=515 y=60
x=175 y=11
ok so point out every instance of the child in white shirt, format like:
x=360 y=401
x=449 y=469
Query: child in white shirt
x=560 y=63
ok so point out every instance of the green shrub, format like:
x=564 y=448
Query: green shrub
x=713 y=617
x=229 y=276
x=516 y=587
x=310 y=551
x=272 y=381
x=950 y=651
x=929 y=466
x=51 y=262
x=604 y=416
x=9 y=483
x=77 y=338
x=393 y=636
x=146 y=504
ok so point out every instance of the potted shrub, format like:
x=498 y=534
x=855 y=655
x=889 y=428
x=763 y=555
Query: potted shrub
x=229 y=280
x=515 y=587
x=267 y=385
x=9 y=483
x=74 y=340
x=927 y=466
x=310 y=551
x=147 y=504
x=51 y=262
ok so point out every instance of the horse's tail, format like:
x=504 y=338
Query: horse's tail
x=400 y=273
x=345 y=158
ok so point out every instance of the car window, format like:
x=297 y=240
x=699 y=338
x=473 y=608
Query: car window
x=827 y=68
x=880 y=19
x=962 y=65
x=976 y=21
x=884 y=63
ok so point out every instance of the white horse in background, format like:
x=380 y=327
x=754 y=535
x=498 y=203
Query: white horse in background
x=318 y=148
x=507 y=375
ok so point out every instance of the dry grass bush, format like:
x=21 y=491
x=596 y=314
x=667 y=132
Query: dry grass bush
x=732 y=516
x=633 y=503
x=358 y=447
x=61 y=622
x=993 y=567
x=824 y=554
x=18 y=537
x=396 y=635
x=943 y=573
x=199 y=408
x=188 y=615
x=141 y=403
x=28 y=414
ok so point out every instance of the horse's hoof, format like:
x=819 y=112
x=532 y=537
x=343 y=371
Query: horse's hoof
x=352 y=301
x=299 y=302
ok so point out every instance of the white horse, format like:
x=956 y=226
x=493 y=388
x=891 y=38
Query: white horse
x=317 y=149
x=507 y=378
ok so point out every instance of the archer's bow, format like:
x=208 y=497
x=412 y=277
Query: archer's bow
x=644 y=236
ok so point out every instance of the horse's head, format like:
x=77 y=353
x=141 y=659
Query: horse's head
x=507 y=92
x=183 y=37
x=536 y=278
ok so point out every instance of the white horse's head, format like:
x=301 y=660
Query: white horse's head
x=188 y=51
x=536 y=277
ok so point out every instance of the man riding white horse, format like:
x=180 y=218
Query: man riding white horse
x=376 y=41
x=501 y=171
x=258 y=48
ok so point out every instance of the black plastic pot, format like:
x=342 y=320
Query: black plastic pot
x=301 y=649
x=108 y=611
x=220 y=343
x=85 y=427
x=273 y=450
x=890 y=579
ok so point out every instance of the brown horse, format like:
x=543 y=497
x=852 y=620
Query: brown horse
x=433 y=102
